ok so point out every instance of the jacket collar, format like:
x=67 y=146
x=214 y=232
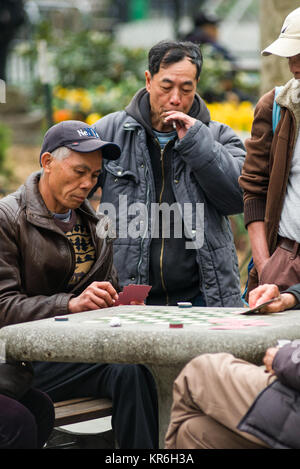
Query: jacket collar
x=139 y=109
x=289 y=97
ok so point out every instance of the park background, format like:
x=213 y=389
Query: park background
x=81 y=59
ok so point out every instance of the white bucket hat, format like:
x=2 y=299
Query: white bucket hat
x=288 y=43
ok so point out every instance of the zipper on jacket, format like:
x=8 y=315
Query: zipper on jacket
x=162 y=152
x=148 y=204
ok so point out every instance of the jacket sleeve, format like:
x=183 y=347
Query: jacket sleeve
x=215 y=155
x=295 y=290
x=255 y=174
x=286 y=365
x=15 y=305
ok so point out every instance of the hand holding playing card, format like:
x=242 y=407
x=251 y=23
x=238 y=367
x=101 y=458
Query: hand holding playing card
x=268 y=299
x=133 y=295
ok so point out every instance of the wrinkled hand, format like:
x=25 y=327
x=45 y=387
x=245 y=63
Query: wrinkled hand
x=266 y=292
x=182 y=121
x=96 y=296
x=269 y=357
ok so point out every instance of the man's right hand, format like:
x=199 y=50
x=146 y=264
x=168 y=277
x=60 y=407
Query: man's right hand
x=269 y=358
x=96 y=296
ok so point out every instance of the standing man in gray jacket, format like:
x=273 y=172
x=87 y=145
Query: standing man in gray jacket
x=173 y=187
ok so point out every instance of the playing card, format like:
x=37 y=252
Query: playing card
x=256 y=309
x=133 y=293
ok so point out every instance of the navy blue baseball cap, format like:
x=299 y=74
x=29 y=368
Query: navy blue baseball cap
x=78 y=136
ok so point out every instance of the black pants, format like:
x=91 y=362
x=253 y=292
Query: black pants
x=26 y=424
x=130 y=387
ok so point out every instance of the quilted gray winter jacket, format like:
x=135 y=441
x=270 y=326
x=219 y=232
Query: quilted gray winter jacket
x=202 y=168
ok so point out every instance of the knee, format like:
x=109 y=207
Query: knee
x=39 y=404
x=17 y=425
x=194 y=368
x=199 y=372
x=133 y=374
x=134 y=381
x=207 y=361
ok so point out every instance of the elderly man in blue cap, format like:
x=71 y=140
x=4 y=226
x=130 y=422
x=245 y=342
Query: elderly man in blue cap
x=53 y=262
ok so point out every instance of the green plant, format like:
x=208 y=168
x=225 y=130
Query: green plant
x=5 y=141
x=88 y=59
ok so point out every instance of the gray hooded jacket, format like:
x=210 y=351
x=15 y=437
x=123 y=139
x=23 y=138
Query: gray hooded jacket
x=204 y=167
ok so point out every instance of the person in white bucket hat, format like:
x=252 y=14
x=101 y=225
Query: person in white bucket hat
x=271 y=173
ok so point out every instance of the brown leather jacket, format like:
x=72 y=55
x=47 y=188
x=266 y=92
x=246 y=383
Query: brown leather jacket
x=37 y=260
x=267 y=165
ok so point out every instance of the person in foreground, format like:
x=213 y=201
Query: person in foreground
x=178 y=172
x=53 y=262
x=270 y=176
x=27 y=423
x=222 y=402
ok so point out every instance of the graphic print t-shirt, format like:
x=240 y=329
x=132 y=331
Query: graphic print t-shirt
x=81 y=240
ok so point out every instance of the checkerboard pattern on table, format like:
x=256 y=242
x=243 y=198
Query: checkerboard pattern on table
x=186 y=316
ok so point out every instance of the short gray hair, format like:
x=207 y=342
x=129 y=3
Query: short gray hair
x=61 y=153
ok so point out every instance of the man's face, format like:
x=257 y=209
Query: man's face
x=66 y=183
x=171 y=89
x=294 y=64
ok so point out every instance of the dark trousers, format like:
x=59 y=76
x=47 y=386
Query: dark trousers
x=25 y=424
x=130 y=387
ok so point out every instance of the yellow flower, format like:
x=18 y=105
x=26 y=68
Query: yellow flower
x=238 y=116
x=76 y=95
x=86 y=104
x=60 y=92
x=92 y=118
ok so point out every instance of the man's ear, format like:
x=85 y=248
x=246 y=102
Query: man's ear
x=148 y=80
x=46 y=160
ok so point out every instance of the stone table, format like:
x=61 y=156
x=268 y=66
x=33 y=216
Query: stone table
x=89 y=337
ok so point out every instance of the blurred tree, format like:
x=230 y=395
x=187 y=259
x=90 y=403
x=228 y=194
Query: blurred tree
x=5 y=173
